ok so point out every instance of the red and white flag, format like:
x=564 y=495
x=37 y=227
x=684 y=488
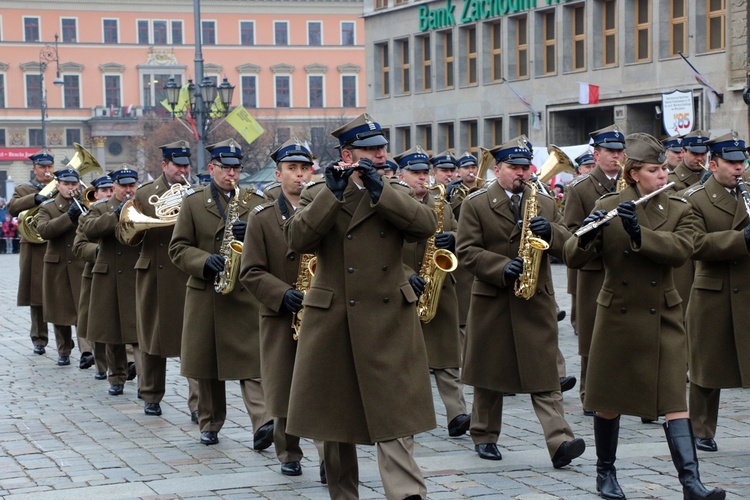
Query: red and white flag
x=587 y=93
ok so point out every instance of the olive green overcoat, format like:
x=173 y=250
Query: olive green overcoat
x=85 y=250
x=683 y=177
x=31 y=258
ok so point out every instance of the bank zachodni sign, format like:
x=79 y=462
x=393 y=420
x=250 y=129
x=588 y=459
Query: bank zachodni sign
x=473 y=11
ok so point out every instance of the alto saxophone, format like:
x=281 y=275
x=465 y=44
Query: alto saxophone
x=531 y=248
x=231 y=249
x=621 y=182
x=436 y=263
x=307 y=265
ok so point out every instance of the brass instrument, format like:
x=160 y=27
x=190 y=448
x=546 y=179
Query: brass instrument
x=621 y=182
x=557 y=162
x=89 y=196
x=531 y=248
x=486 y=160
x=231 y=249
x=308 y=262
x=75 y=194
x=436 y=263
x=83 y=163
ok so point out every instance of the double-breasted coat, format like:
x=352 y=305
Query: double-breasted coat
x=441 y=335
x=683 y=177
x=269 y=269
x=62 y=269
x=580 y=198
x=463 y=278
x=361 y=373
x=637 y=357
x=85 y=250
x=718 y=315
x=511 y=343
x=112 y=304
x=159 y=284
x=220 y=338
x=31 y=258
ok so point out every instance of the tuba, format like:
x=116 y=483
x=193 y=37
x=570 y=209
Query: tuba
x=230 y=249
x=557 y=162
x=83 y=163
x=531 y=248
x=436 y=263
x=307 y=264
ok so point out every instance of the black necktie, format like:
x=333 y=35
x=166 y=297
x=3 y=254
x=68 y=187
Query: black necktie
x=515 y=201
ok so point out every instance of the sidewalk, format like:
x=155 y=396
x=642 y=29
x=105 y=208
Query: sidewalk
x=63 y=437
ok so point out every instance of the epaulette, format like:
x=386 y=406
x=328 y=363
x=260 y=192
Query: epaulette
x=260 y=193
x=678 y=198
x=578 y=180
x=475 y=193
x=270 y=186
x=607 y=195
x=99 y=202
x=146 y=183
x=262 y=207
x=693 y=190
x=47 y=202
x=197 y=189
x=403 y=184
x=315 y=183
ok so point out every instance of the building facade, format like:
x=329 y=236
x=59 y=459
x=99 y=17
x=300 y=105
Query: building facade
x=445 y=73
x=298 y=66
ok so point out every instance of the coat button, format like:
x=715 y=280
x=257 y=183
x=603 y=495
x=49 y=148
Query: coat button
x=68 y=262
x=652 y=310
x=348 y=236
x=119 y=271
x=419 y=264
x=291 y=258
x=627 y=252
x=653 y=283
x=350 y=270
x=119 y=253
x=624 y=283
x=218 y=238
x=386 y=300
x=352 y=302
x=623 y=310
x=511 y=240
x=161 y=266
x=385 y=268
x=736 y=290
x=382 y=234
x=161 y=244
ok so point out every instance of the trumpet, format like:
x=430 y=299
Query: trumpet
x=75 y=193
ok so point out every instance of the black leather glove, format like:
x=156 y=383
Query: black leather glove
x=513 y=270
x=417 y=284
x=39 y=199
x=445 y=240
x=118 y=210
x=626 y=211
x=371 y=179
x=337 y=179
x=214 y=264
x=238 y=230
x=452 y=186
x=74 y=212
x=293 y=300
x=587 y=238
x=541 y=227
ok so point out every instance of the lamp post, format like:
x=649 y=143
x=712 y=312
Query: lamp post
x=47 y=55
x=203 y=95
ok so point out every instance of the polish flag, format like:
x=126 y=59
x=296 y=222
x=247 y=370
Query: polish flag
x=588 y=94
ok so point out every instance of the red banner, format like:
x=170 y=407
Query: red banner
x=16 y=154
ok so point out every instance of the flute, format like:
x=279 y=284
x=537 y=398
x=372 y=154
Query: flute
x=613 y=213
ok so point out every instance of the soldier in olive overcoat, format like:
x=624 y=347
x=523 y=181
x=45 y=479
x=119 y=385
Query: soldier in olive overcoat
x=57 y=223
x=637 y=356
x=693 y=164
x=718 y=315
x=511 y=343
x=25 y=197
x=112 y=305
x=361 y=373
x=220 y=339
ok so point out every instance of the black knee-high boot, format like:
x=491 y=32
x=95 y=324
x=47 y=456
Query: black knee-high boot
x=682 y=447
x=606 y=434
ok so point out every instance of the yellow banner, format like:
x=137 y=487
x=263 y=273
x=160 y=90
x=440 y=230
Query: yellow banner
x=245 y=124
x=183 y=101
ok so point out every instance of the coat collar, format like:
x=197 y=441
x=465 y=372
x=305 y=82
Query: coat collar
x=725 y=202
x=500 y=203
x=210 y=203
x=686 y=175
x=654 y=213
x=601 y=182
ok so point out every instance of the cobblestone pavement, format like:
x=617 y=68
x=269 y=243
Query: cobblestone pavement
x=62 y=436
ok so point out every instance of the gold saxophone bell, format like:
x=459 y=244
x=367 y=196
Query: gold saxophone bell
x=308 y=263
x=531 y=248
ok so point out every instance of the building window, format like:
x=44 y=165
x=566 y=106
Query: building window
x=399 y=2
x=2 y=90
x=249 y=91
x=404 y=73
x=247 y=33
x=447 y=38
x=314 y=33
x=30 y=29
x=579 y=37
x=447 y=139
x=385 y=69
x=349 y=91
x=548 y=20
x=381 y=4
x=522 y=47
x=315 y=90
x=424 y=136
x=142 y=32
x=72 y=135
x=208 y=32
x=35 y=138
x=519 y=125
x=494 y=127
x=317 y=138
x=283 y=91
x=642 y=30
x=281 y=33
x=112 y=90
x=609 y=33
x=33 y=91
x=283 y=134
x=425 y=58
x=110 y=31
x=69 y=30
x=470 y=140
x=470 y=40
x=153 y=87
x=347 y=33
x=677 y=27
x=72 y=91
x=496 y=51
x=715 y=17
x=160 y=32
x=176 y=32
x=2 y=138
x=403 y=138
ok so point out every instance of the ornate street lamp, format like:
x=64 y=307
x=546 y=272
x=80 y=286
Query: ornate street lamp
x=47 y=54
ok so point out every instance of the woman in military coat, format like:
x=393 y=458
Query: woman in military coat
x=637 y=357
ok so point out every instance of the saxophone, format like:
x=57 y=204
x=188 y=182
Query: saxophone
x=436 y=263
x=621 y=182
x=307 y=265
x=531 y=248
x=231 y=249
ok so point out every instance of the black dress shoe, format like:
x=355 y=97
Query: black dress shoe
x=291 y=469
x=39 y=349
x=707 y=444
x=116 y=390
x=131 y=371
x=588 y=413
x=138 y=394
x=194 y=416
x=152 y=409
x=100 y=375
x=567 y=383
x=86 y=361
x=560 y=315
x=209 y=437
x=323 y=477
x=568 y=451
x=488 y=451
x=264 y=437
x=63 y=361
x=459 y=425
x=648 y=420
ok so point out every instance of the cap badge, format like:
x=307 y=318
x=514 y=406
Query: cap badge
x=736 y=138
x=616 y=131
x=419 y=149
x=369 y=122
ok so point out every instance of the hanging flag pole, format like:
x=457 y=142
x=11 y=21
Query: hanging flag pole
x=715 y=98
x=536 y=116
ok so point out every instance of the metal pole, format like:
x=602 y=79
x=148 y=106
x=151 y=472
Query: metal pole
x=200 y=119
x=43 y=103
